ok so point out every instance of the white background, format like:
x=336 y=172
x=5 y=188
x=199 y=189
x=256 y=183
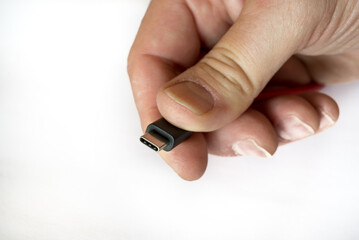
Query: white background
x=71 y=165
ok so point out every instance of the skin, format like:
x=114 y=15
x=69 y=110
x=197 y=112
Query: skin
x=234 y=49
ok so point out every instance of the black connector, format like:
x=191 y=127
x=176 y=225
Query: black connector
x=162 y=135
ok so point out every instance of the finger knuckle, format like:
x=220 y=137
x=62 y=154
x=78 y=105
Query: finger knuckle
x=226 y=71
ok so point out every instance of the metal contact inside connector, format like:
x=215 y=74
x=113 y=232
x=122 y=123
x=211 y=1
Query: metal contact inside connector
x=151 y=140
x=148 y=144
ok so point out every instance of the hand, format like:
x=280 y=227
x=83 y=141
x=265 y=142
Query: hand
x=201 y=63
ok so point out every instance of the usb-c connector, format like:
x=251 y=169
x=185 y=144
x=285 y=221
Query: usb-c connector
x=153 y=141
x=162 y=135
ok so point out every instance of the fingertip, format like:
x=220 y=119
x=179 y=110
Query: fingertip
x=189 y=105
x=250 y=135
x=188 y=160
x=293 y=117
x=327 y=108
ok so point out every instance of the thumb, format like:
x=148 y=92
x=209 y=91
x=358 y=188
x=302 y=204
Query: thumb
x=222 y=85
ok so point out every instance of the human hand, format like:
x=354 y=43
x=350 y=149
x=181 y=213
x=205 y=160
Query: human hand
x=201 y=63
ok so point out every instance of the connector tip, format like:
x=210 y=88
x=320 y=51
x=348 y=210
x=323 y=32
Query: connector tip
x=153 y=142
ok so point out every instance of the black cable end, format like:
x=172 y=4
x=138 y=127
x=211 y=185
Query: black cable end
x=162 y=135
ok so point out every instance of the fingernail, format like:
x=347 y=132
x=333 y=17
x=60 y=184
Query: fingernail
x=325 y=121
x=250 y=148
x=292 y=128
x=192 y=96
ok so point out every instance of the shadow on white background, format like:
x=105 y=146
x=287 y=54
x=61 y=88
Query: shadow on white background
x=71 y=165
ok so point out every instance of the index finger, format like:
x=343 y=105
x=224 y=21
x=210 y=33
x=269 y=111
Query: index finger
x=167 y=41
x=166 y=44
